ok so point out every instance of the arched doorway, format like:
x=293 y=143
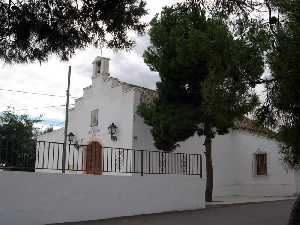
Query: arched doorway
x=93 y=159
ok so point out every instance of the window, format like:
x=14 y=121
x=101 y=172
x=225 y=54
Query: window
x=94 y=118
x=98 y=66
x=261 y=164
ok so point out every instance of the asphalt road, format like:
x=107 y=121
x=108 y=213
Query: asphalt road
x=268 y=213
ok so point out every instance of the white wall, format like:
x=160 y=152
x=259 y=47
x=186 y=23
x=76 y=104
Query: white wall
x=237 y=167
x=233 y=153
x=142 y=137
x=233 y=156
x=115 y=106
x=225 y=164
x=49 y=157
x=115 y=102
x=297 y=181
x=53 y=136
x=39 y=198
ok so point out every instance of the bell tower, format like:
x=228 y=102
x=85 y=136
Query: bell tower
x=100 y=66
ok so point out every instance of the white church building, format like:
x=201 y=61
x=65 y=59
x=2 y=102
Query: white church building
x=246 y=161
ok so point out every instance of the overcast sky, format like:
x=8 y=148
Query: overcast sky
x=51 y=77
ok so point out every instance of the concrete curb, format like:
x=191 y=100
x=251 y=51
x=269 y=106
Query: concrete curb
x=230 y=204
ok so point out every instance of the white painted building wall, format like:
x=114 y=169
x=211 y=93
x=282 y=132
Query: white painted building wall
x=40 y=198
x=142 y=137
x=297 y=181
x=233 y=158
x=49 y=158
x=53 y=136
x=115 y=105
x=233 y=153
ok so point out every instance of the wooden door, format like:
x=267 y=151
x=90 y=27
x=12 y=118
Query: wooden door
x=93 y=163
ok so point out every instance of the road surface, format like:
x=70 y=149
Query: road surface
x=267 y=213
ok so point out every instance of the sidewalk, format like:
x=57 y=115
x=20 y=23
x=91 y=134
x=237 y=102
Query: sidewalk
x=233 y=200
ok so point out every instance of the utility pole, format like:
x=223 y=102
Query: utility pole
x=66 y=124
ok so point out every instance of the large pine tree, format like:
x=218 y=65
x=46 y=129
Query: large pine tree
x=282 y=108
x=205 y=74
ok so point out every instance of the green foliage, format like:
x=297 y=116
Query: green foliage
x=33 y=30
x=282 y=108
x=17 y=147
x=280 y=40
x=170 y=123
x=281 y=37
x=205 y=73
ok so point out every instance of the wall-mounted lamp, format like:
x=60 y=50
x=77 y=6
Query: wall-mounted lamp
x=113 y=131
x=71 y=137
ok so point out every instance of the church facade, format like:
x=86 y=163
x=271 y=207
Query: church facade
x=245 y=161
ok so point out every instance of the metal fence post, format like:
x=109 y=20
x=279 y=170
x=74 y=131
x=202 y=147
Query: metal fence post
x=142 y=162
x=201 y=166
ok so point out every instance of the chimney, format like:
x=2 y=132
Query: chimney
x=100 y=66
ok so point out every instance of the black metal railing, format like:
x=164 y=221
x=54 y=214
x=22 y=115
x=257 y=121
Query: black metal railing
x=94 y=159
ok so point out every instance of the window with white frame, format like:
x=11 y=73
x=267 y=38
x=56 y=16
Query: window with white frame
x=260 y=164
x=94 y=118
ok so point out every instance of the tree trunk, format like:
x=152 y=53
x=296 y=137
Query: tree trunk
x=209 y=170
x=295 y=213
